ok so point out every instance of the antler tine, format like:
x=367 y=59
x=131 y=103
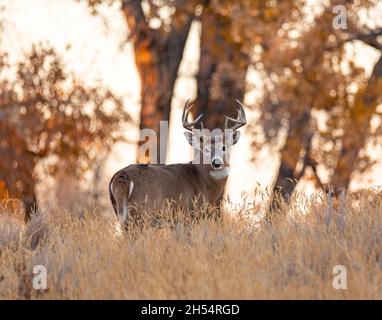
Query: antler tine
x=241 y=119
x=189 y=125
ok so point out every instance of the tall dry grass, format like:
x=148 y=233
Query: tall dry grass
x=241 y=257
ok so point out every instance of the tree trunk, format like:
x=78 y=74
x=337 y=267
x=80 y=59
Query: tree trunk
x=356 y=132
x=30 y=205
x=157 y=58
x=297 y=141
x=222 y=70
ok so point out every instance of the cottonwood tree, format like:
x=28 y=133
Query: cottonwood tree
x=306 y=75
x=230 y=30
x=222 y=67
x=301 y=77
x=255 y=33
x=158 y=30
x=357 y=130
x=47 y=114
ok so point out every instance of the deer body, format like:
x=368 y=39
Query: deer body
x=142 y=188
x=184 y=184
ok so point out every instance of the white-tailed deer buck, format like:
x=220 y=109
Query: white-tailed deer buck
x=140 y=188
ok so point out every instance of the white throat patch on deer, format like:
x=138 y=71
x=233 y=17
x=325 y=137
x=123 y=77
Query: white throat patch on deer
x=220 y=174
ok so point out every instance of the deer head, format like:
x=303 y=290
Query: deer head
x=214 y=146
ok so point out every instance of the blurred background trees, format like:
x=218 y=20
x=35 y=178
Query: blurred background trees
x=47 y=114
x=158 y=31
x=318 y=99
x=159 y=41
x=230 y=31
x=315 y=105
x=356 y=127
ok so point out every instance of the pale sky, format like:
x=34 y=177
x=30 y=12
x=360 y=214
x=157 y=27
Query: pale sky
x=98 y=53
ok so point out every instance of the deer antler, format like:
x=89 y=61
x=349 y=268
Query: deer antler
x=190 y=125
x=239 y=121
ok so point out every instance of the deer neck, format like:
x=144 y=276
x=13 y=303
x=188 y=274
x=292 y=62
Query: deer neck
x=214 y=184
x=221 y=174
x=213 y=177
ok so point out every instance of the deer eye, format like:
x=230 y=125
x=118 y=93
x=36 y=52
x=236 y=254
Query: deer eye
x=223 y=148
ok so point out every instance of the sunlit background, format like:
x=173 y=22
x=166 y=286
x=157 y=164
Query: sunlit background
x=95 y=48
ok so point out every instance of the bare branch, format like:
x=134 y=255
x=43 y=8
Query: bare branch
x=367 y=36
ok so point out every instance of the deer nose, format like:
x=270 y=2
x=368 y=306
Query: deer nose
x=217 y=163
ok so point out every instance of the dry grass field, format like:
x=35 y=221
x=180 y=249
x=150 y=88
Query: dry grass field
x=242 y=257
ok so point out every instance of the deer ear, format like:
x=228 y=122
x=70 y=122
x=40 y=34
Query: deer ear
x=190 y=137
x=235 y=137
x=192 y=140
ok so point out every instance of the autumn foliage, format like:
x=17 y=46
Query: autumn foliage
x=47 y=114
